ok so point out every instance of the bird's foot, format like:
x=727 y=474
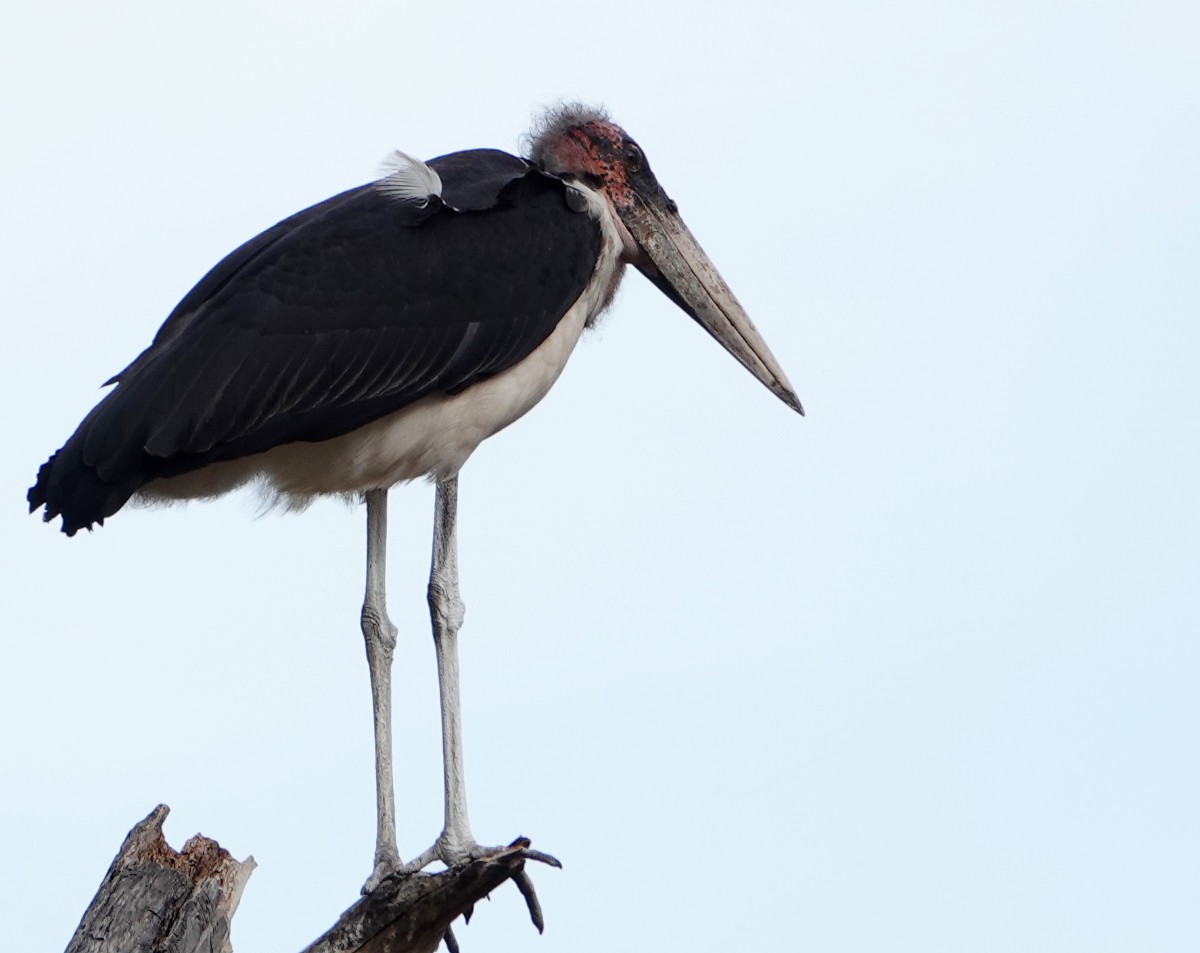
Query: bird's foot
x=386 y=865
x=455 y=852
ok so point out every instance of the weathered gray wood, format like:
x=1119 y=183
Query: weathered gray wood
x=157 y=900
x=412 y=914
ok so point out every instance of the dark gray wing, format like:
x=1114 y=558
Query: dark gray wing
x=335 y=317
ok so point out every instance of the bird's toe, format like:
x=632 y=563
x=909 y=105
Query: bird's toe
x=452 y=853
x=384 y=868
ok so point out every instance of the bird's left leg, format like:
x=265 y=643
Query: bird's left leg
x=455 y=844
x=446 y=612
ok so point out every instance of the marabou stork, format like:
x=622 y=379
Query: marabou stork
x=380 y=336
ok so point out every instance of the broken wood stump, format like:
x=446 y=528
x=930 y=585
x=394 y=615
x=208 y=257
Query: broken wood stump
x=157 y=900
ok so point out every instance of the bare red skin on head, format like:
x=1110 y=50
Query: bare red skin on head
x=596 y=149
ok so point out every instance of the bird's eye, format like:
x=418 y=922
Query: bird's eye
x=633 y=157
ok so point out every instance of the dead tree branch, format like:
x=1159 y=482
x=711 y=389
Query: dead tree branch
x=157 y=900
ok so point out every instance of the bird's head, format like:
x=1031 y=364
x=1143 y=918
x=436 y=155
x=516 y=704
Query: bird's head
x=581 y=145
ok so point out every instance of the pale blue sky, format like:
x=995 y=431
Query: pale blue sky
x=915 y=673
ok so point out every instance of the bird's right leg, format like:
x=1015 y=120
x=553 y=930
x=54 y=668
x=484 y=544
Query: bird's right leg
x=380 y=635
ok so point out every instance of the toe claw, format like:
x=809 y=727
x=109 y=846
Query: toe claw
x=450 y=941
x=525 y=885
x=541 y=857
x=530 y=854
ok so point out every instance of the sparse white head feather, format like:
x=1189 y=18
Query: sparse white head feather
x=555 y=123
x=409 y=179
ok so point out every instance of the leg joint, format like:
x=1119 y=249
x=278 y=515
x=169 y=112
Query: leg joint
x=446 y=607
x=377 y=628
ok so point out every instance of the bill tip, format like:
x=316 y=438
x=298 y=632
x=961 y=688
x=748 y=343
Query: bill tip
x=788 y=397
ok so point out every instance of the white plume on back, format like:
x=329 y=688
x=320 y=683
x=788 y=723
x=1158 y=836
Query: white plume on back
x=408 y=178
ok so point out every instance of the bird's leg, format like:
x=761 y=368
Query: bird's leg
x=446 y=610
x=456 y=844
x=380 y=635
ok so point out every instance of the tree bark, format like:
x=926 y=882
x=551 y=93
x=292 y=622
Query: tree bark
x=157 y=900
